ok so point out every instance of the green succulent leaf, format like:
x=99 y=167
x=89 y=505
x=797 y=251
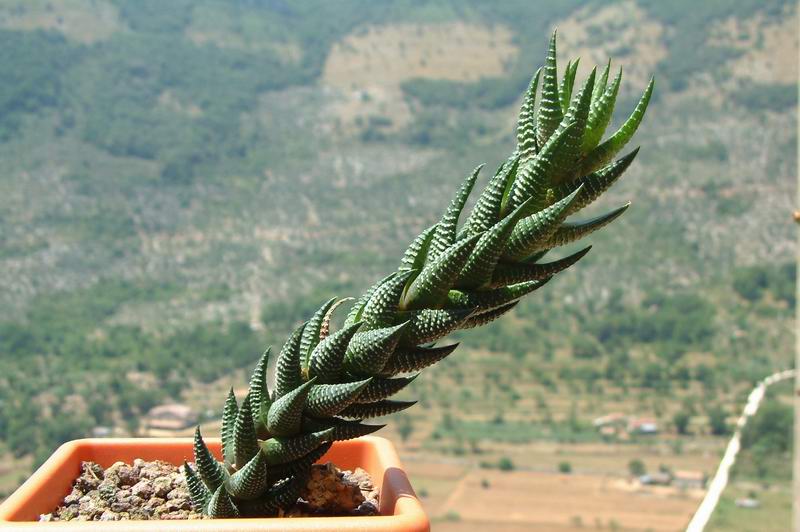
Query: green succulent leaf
x=605 y=152
x=444 y=233
x=430 y=287
x=602 y=82
x=369 y=350
x=550 y=113
x=326 y=400
x=526 y=127
x=417 y=253
x=281 y=450
x=288 y=374
x=220 y=506
x=211 y=472
x=571 y=231
x=326 y=360
x=493 y=298
x=595 y=183
x=286 y=413
x=382 y=306
x=229 y=412
x=245 y=441
x=301 y=465
x=380 y=388
x=567 y=84
x=566 y=157
x=518 y=272
x=429 y=325
x=479 y=320
x=600 y=112
x=415 y=359
x=249 y=482
x=477 y=270
x=490 y=204
x=258 y=391
x=376 y=409
x=343 y=429
x=198 y=492
x=310 y=337
x=281 y=496
x=358 y=308
x=535 y=178
x=531 y=234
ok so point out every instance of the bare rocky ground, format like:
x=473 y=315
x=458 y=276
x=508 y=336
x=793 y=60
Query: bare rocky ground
x=157 y=491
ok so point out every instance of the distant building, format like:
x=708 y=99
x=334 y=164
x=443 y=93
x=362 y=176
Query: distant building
x=642 y=425
x=171 y=417
x=656 y=479
x=690 y=480
x=747 y=502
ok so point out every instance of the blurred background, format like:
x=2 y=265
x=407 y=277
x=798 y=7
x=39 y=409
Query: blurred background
x=181 y=182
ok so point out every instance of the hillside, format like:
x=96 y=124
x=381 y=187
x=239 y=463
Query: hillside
x=182 y=182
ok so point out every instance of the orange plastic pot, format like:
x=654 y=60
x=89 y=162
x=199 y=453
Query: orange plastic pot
x=42 y=492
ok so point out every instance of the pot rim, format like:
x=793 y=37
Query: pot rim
x=399 y=505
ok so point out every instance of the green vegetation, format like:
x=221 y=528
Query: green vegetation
x=67 y=338
x=636 y=468
x=156 y=179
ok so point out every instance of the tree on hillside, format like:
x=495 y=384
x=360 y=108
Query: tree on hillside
x=681 y=421
x=717 y=421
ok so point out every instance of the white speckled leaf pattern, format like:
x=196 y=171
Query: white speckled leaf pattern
x=280 y=450
x=429 y=325
x=245 y=442
x=250 y=481
x=381 y=308
x=376 y=409
x=380 y=388
x=532 y=232
x=550 y=113
x=572 y=231
x=431 y=285
x=519 y=272
x=601 y=155
x=286 y=413
x=258 y=386
x=534 y=179
x=481 y=263
x=229 y=412
x=310 y=337
x=487 y=210
x=287 y=367
x=415 y=359
x=444 y=233
x=526 y=127
x=600 y=112
x=329 y=399
x=368 y=351
x=325 y=361
x=485 y=300
x=483 y=318
x=220 y=505
x=595 y=183
x=415 y=255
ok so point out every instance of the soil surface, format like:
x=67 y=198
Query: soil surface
x=157 y=490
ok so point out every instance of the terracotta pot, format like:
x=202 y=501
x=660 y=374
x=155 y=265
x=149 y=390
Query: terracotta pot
x=42 y=492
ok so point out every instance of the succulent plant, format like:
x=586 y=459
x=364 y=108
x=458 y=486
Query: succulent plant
x=327 y=382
